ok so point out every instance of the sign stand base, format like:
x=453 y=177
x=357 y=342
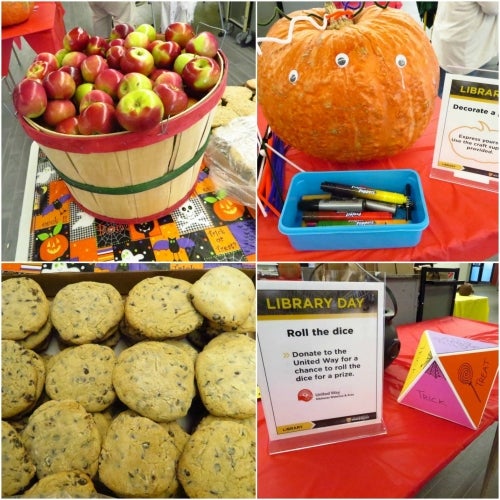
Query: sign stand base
x=331 y=437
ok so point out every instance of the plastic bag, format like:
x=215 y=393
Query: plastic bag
x=231 y=158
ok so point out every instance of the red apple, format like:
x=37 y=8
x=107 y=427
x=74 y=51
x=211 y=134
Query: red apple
x=73 y=58
x=108 y=80
x=121 y=30
x=29 y=98
x=181 y=61
x=180 y=33
x=49 y=58
x=136 y=39
x=137 y=60
x=153 y=44
x=98 y=118
x=92 y=66
x=37 y=70
x=116 y=41
x=59 y=85
x=76 y=39
x=74 y=72
x=97 y=45
x=133 y=81
x=114 y=55
x=201 y=74
x=166 y=76
x=80 y=91
x=165 y=53
x=174 y=99
x=92 y=96
x=203 y=44
x=57 y=111
x=148 y=29
x=139 y=110
x=68 y=126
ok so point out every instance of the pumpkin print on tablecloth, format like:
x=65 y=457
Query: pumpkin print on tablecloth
x=361 y=89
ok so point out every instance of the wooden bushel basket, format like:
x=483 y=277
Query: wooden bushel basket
x=132 y=177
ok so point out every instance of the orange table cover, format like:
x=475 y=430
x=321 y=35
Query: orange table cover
x=463 y=220
x=416 y=447
x=44 y=31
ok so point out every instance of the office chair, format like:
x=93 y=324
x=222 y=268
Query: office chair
x=436 y=296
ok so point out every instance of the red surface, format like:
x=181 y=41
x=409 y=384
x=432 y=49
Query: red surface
x=463 y=220
x=398 y=464
x=44 y=31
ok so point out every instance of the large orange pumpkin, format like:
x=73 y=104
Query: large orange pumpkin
x=363 y=88
x=16 y=12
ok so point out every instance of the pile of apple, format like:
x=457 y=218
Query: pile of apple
x=130 y=81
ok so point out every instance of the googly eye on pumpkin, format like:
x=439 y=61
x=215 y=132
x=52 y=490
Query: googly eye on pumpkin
x=401 y=61
x=293 y=76
x=342 y=60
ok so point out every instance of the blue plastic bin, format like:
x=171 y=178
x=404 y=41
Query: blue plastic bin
x=354 y=237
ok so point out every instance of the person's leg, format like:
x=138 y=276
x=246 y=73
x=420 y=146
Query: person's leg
x=442 y=74
x=101 y=19
x=122 y=12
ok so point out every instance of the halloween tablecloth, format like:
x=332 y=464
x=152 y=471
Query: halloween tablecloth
x=209 y=226
x=463 y=220
x=396 y=465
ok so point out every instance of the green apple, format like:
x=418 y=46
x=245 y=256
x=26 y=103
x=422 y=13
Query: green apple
x=148 y=29
x=181 y=60
x=81 y=90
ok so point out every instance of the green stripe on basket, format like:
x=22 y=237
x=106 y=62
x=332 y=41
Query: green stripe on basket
x=137 y=188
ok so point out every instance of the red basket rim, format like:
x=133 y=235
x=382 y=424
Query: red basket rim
x=121 y=141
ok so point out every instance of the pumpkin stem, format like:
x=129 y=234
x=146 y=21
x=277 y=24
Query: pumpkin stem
x=337 y=17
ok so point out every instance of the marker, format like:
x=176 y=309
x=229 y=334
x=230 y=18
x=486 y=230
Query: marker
x=365 y=193
x=354 y=205
x=359 y=222
x=327 y=215
x=324 y=196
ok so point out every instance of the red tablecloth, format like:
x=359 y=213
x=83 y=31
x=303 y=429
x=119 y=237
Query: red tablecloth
x=417 y=445
x=44 y=31
x=463 y=220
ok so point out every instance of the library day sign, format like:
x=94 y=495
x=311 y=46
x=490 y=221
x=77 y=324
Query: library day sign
x=320 y=361
x=466 y=149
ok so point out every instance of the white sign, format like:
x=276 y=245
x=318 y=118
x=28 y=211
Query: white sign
x=466 y=150
x=321 y=361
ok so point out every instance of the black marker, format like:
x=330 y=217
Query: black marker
x=354 y=205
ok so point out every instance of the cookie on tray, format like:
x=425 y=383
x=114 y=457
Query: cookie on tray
x=158 y=308
x=137 y=458
x=224 y=295
x=225 y=375
x=67 y=484
x=17 y=467
x=38 y=341
x=23 y=378
x=25 y=308
x=156 y=380
x=218 y=461
x=62 y=436
x=86 y=312
x=83 y=373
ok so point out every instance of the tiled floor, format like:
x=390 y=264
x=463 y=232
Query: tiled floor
x=16 y=144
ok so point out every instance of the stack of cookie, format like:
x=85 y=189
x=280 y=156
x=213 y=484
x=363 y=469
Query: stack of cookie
x=25 y=313
x=94 y=419
x=236 y=101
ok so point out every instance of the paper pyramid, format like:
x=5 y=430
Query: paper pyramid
x=451 y=377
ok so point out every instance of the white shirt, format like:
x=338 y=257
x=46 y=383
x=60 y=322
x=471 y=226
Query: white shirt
x=465 y=35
